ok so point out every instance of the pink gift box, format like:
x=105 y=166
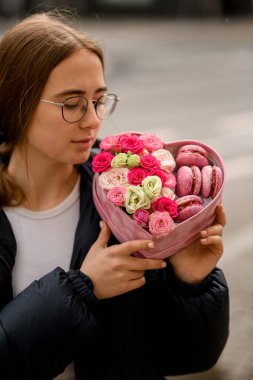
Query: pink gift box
x=124 y=228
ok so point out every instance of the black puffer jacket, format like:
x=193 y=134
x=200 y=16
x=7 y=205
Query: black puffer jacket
x=57 y=319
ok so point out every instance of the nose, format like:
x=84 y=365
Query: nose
x=90 y=119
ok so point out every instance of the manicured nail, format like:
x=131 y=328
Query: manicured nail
x=164 y=264
x=101 y=224
x=151 y=245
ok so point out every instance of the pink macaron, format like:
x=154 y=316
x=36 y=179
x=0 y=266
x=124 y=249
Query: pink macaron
x=188 y=206
x=192 y=155
x=188 y=180
x=211 y=181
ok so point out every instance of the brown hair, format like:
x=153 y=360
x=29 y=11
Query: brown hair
x=29 y=52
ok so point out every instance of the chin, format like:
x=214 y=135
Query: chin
x=81 y=158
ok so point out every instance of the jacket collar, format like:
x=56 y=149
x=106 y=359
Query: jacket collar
x=86 y=232
x=8 y=246
x=88 y=226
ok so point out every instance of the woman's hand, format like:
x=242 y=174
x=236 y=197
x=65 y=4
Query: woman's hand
x=113 y=270
x=193 y=263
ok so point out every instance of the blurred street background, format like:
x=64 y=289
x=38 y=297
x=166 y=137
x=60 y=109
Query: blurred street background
x=184 y=70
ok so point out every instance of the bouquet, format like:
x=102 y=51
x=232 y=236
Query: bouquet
x=156 y=185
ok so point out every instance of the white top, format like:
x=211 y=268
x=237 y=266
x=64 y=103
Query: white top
x=44 y=241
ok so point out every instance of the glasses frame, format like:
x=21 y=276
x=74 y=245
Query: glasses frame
x=94 y=102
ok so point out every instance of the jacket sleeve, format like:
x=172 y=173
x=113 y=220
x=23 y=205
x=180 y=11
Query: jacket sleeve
x=5 y=280
x=8 y=249
x=45 y=325
x=192 y=322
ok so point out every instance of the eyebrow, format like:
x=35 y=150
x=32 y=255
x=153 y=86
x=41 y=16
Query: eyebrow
x=73 y=91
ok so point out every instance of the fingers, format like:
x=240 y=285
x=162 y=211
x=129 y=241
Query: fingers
x=103 y=236
x=124 y=251
x=137 y=264
x=137 y=283
x=220 y=215
x=216 y=229
x=213 y=235
x=135 y=274
x=134 y=263
x=133 y=246
x=215 y=241
x=125 y=248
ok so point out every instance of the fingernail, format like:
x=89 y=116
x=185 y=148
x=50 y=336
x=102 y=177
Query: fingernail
x=203 y=241
x=203 y=233
x=101 y=224
x=151 y=245
x=163 y=264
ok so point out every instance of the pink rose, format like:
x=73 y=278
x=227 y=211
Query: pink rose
x=166 y=159
x=149 y=162
x=117 y=195
x=102 y=162
x=165 y=204
x=151 y=141
x=117 y=148
x=113 y=177
x=122 y=136
x=160 y=173
x=168 y=193
x=141 y=217
x=131 y=143
x=160 y=224
x=170 y=181
x=144 y=152
x=109 y=143
x=136 y=176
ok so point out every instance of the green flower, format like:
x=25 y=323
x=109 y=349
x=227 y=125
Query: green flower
x=133 y=160
x=119 y=160
x=152 y=186
x=136 y=199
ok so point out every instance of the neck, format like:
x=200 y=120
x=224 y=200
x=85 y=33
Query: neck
x=45 y=183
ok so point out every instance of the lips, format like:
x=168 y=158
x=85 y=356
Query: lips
x=84 y=140
x=84 y=143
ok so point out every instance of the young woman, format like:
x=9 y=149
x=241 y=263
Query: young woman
x=75 y=304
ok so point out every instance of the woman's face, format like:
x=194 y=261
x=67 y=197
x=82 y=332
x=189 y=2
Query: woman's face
x=49 y=136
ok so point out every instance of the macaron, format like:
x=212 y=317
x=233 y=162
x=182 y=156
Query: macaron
x=188 y=180
x=188 y=206
x=192 y=155
x=211 y=181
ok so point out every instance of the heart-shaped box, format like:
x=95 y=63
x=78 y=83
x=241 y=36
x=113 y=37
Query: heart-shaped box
x=124 y=228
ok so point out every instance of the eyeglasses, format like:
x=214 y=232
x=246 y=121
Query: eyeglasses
x=75 y=107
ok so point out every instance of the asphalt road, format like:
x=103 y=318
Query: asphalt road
x=194 y=80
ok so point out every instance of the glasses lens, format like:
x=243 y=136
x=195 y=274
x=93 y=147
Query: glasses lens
x=74 y=108
x=105 y=106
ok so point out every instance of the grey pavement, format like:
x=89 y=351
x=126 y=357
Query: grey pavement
x=193 y=79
